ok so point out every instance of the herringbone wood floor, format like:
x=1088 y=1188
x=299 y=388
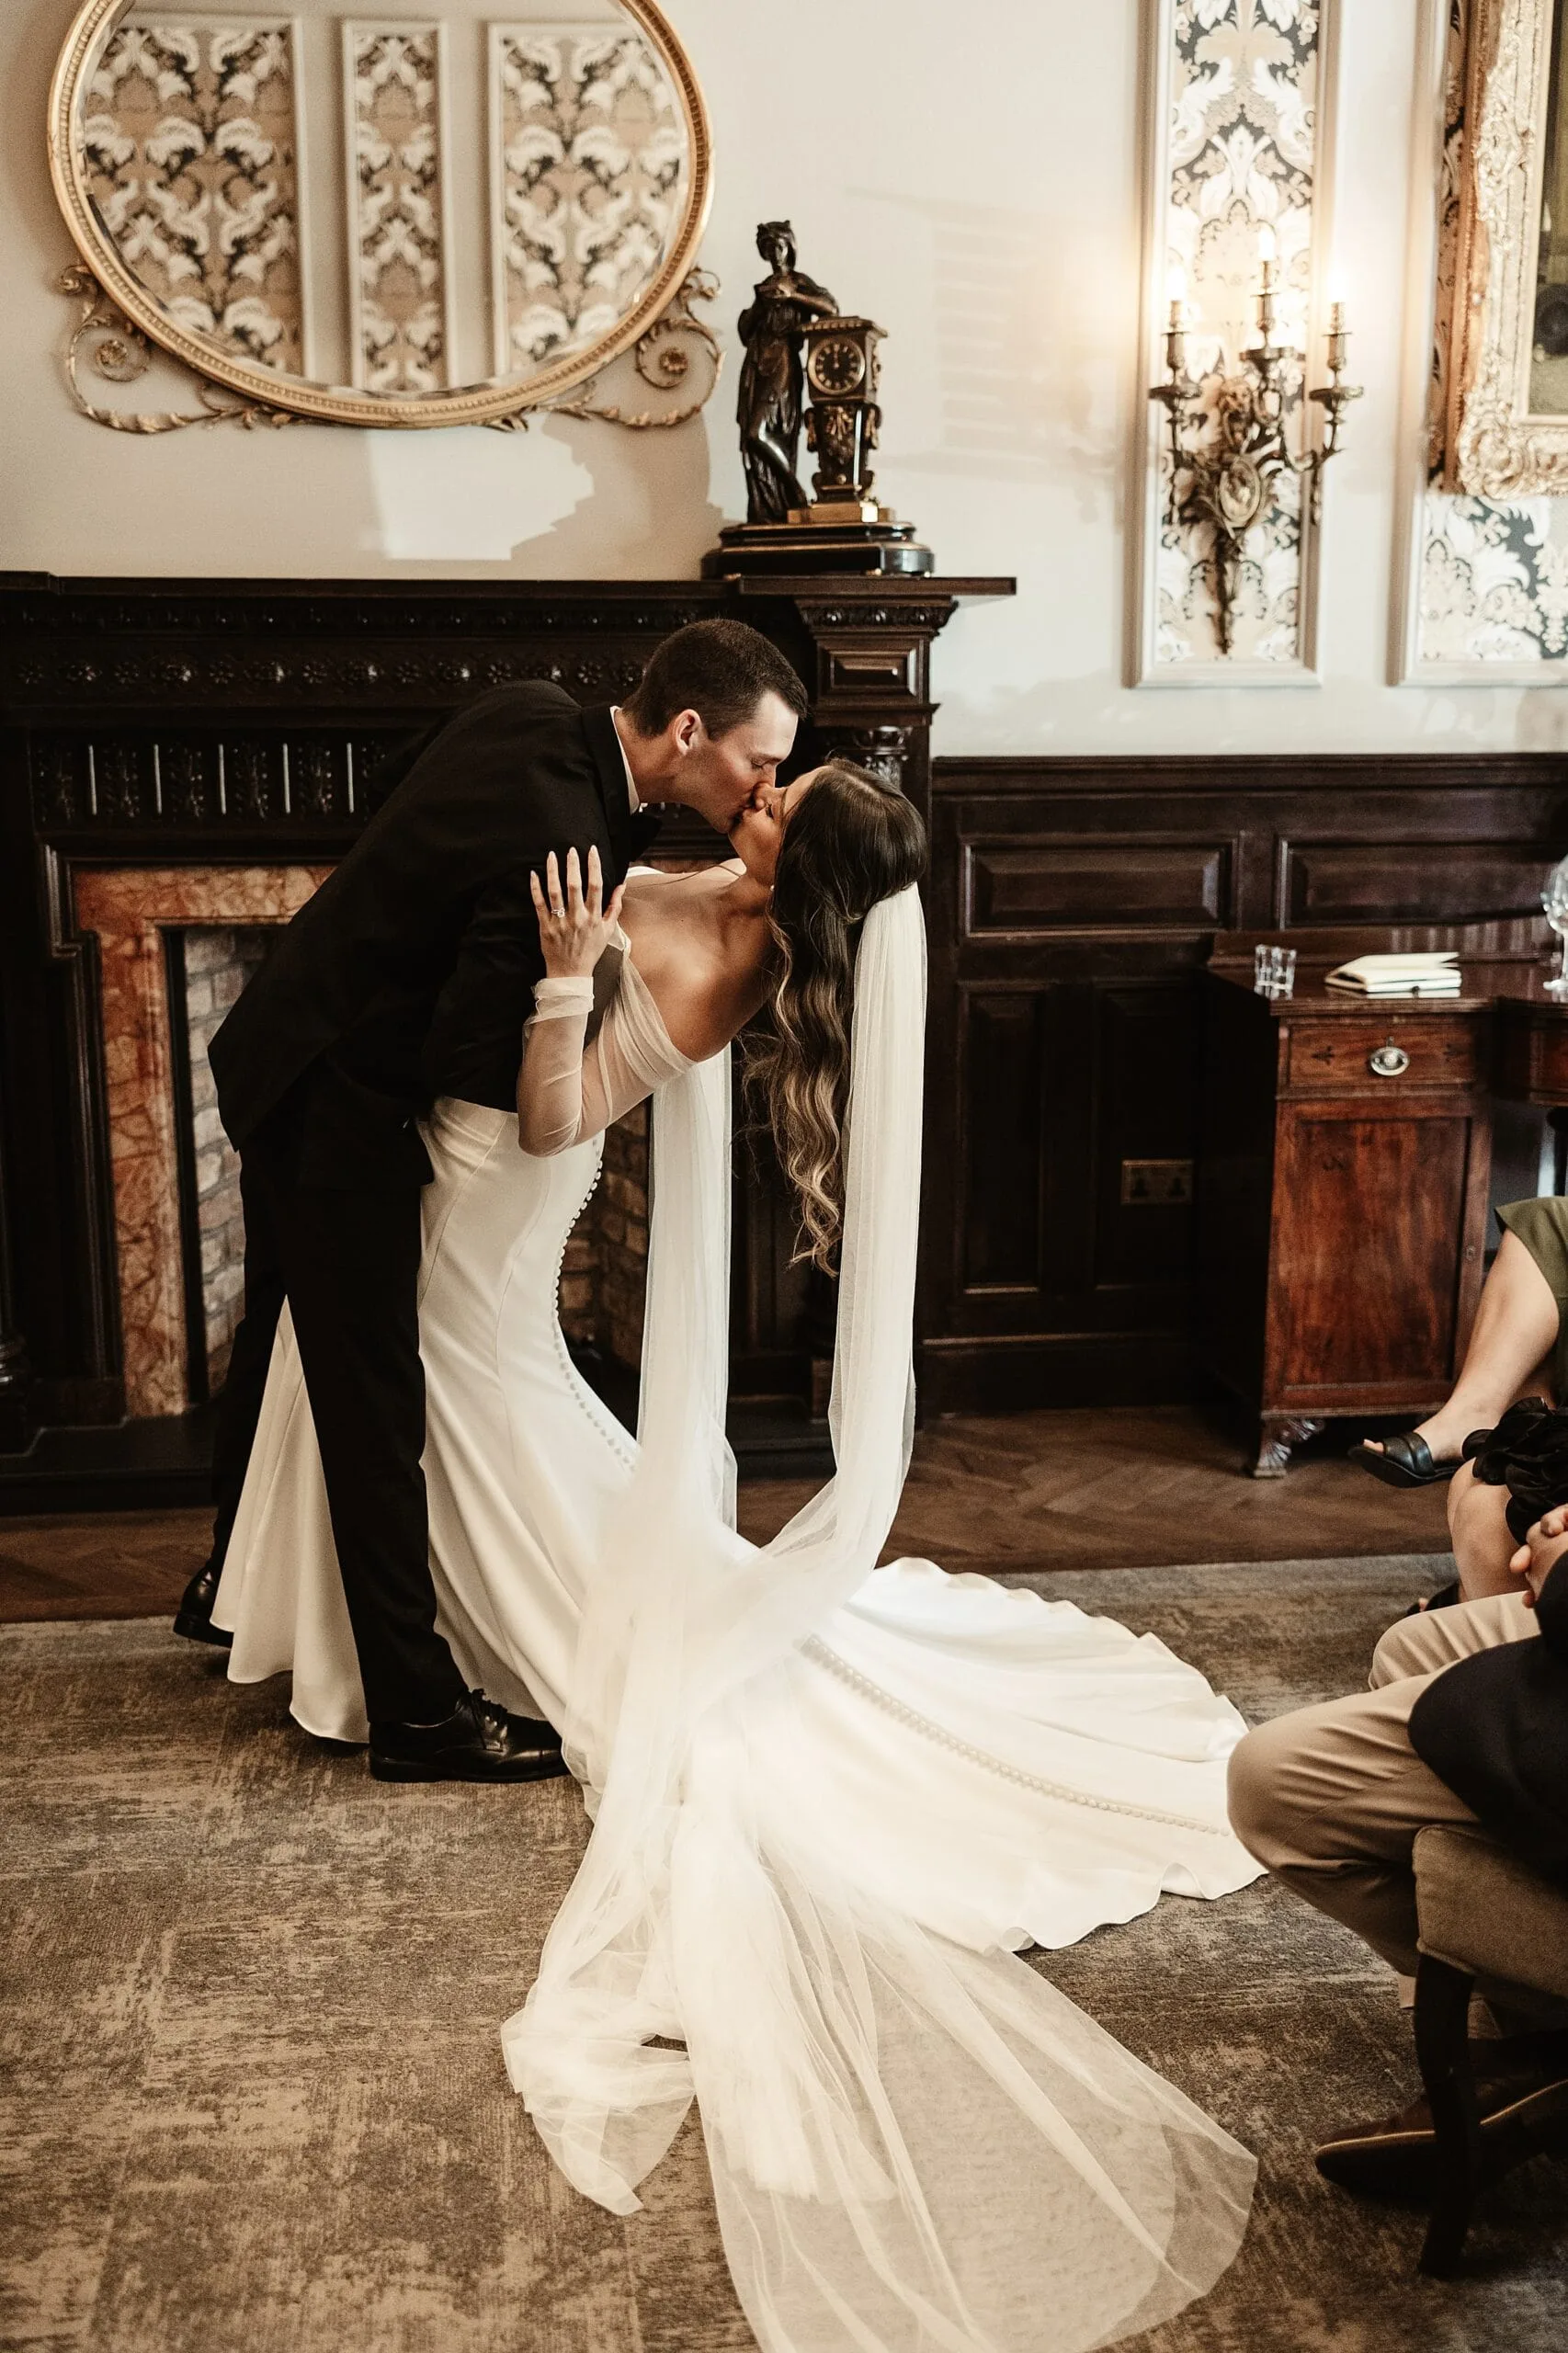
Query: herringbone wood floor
x=1128 y=1487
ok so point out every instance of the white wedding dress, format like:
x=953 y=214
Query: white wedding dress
x=830 y=1799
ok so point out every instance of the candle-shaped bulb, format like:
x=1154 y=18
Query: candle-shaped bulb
x=1268 y=244
x=1338 y=334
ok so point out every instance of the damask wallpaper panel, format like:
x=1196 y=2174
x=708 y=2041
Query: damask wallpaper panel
x=1487 y=592
x=194 y=141
x=394 y=96
x=589 y=172
x=1238 y=143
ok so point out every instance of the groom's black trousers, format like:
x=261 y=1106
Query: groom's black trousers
x=346 y=1258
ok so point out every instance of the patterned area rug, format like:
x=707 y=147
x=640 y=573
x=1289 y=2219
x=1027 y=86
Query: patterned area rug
x=252 y=2101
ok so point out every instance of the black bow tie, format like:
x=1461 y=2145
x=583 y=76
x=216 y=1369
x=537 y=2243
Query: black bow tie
x=646 y=824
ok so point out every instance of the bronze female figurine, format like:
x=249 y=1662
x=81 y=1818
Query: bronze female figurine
x=769 y=409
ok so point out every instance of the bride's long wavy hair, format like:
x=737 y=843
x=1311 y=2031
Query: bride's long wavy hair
x=850 y=841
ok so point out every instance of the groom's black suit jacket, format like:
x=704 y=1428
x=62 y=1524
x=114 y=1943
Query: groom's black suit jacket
x=411 y=972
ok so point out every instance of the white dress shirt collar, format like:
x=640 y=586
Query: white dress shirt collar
x=633 y=795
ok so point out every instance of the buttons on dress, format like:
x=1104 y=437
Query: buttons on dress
x=814 y=1648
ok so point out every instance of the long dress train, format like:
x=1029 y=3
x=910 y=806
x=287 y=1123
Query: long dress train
x=830 y=1799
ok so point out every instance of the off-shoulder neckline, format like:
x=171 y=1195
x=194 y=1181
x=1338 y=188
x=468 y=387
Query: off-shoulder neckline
x=621 y=938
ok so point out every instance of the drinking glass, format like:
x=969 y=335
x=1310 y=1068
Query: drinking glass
x=1274 y=970
x=1554 y=902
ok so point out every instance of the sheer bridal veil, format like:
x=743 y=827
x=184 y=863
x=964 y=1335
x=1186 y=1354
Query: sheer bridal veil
x=914 y=2145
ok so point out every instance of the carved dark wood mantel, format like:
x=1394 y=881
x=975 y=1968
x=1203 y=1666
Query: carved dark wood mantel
x=232 y=723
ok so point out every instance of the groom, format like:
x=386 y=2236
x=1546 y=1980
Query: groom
x=410 y=975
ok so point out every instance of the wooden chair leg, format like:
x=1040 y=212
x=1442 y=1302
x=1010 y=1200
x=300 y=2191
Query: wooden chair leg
x=1442 y=2051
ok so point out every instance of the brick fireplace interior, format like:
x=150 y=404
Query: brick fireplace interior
x=217 y=964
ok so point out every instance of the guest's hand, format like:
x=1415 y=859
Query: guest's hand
x=575 y=928
x=1542 y=1548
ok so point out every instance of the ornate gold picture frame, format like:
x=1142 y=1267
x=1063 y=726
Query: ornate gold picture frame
x=1503 y=439
x=115 y=300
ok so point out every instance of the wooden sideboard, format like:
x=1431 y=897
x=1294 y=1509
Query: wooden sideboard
x=1342 y=1185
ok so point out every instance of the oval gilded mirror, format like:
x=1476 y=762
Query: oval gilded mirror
x=404 y=218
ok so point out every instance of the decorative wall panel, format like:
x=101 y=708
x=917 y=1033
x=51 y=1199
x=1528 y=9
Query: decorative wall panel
x=1489 y=596
x=393 y=88
x=1238 y=147
x=589 y=181
x=194 y=146
x=1021 y=890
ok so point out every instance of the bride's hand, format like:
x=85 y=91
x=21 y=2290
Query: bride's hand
x=574 y=931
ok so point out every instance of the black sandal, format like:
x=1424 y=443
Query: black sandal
x=1446 y=1598
x=1404 y=1461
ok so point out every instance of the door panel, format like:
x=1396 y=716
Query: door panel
x=1368 y=1235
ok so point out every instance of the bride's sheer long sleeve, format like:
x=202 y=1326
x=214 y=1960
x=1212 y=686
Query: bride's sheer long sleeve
x=595 y=1047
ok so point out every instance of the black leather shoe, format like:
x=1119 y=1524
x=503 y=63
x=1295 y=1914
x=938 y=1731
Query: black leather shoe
x=1521 y=2092
x=193 y=1617
x=478 y=1742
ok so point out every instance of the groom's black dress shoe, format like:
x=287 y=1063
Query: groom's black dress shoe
x=193 y=1617
x=1521 y=2092
x=478 y=1742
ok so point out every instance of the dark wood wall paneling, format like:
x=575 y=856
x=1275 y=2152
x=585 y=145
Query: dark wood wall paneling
x=1073 y=902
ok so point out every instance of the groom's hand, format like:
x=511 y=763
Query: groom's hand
x=574 y=927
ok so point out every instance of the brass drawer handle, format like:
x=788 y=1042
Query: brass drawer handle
x=1388 y=1061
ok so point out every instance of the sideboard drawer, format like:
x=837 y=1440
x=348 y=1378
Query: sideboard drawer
x=1391 y=1048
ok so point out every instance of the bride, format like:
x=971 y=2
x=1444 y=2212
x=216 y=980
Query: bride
x=831 y=1801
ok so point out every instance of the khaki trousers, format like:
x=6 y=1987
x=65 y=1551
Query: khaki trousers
x=1329 y=1799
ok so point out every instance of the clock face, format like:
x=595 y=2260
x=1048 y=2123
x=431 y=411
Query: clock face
x=837 y=365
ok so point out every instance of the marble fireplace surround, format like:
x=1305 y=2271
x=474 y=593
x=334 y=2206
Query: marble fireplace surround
x=129 y=908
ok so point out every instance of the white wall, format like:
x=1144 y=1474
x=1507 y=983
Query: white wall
x=968 y=175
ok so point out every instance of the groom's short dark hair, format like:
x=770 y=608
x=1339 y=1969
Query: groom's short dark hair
x=720 y=669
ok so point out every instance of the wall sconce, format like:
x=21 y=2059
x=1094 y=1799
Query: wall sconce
x=1227 y=433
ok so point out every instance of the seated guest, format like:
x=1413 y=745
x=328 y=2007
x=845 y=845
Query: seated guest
x=1465 y=1719
x=1519 y=1344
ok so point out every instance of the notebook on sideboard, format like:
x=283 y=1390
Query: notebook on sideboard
x=1418 y=972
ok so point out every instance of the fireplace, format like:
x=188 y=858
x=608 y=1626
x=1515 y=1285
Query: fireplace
x=175 y=947
x=184 y=760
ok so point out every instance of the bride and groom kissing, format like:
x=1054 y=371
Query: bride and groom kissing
x=830 y=1802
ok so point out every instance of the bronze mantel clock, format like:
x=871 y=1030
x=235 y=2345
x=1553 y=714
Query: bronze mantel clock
x=842 y=421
